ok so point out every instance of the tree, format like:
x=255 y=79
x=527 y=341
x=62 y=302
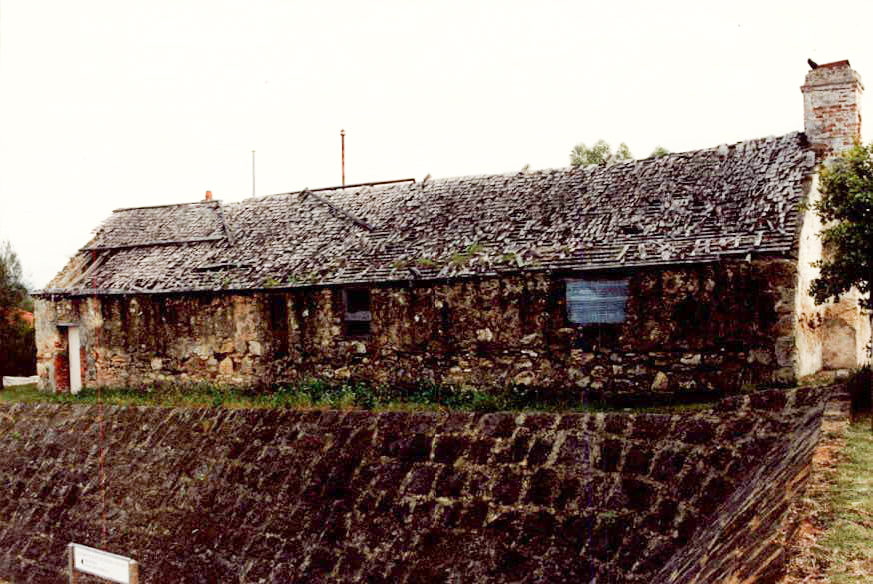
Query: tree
x=846 y=210
x=12 y=290
x=658 y=152
x=17 y=347
x=601 y=153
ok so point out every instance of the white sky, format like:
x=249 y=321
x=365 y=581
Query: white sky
x=119 y=103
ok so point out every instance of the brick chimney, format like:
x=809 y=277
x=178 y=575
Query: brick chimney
x=832 y=107
x=208 y=195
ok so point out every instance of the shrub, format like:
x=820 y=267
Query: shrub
x=858 y=385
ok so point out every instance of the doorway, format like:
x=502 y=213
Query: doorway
x=71 y=360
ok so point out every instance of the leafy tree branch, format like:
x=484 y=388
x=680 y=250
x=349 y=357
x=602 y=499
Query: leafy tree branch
x=846 y=209
x=601 y=153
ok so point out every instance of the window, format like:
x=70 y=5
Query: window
x=596 y=301
x=357 y=316
x=278 y=309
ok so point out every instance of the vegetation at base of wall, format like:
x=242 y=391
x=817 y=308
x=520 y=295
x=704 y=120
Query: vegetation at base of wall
x=847 y=545
x=319 y=394
x=858 y=385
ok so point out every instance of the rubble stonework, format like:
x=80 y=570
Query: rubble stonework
x=750 y=539
x=695 y=328
x=212 y=495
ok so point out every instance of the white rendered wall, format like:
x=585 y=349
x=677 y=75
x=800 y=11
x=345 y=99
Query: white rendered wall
x=829 y=335
x=808 y=316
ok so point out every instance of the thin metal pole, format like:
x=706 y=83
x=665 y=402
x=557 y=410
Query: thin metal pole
x=253 y=173
x=343 y=142
x=100 y=419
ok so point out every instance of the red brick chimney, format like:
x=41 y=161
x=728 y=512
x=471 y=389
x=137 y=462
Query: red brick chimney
x=832 y=107
x=208 y=195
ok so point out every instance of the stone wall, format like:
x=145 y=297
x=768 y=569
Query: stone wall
x=204 y=495
x=704 y=328
x=748 y=540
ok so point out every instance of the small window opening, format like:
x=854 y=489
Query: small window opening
x=278 y=309
x=357 y=316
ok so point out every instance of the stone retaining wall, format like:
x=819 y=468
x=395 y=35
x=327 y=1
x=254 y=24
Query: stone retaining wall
x=204 y=495
x=747 y=540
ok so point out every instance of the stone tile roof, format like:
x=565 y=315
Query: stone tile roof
x=162 y=225
x=687 y=207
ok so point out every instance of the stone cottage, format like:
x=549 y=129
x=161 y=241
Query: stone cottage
x=685 y=273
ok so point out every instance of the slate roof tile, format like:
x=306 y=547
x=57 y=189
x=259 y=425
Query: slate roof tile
x=686 y=207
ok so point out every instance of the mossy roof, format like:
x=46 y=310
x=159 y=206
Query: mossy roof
x=738 y=200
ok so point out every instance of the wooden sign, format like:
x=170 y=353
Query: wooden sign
x=102 y=564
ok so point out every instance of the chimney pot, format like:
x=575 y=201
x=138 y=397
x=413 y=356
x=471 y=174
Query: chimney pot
x=208 y=195
x=832 y=107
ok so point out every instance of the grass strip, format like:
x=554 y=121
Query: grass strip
x=317 y=394
x=848 y=540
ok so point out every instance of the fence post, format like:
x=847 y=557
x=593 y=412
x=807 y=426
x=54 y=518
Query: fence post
x=71 y=563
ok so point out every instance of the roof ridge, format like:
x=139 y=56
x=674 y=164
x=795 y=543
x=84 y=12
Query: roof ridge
x=213 y=202
x=509 y=174
x=456 y=178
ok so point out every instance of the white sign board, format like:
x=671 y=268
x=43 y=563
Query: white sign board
x=102 y=564
x=10 y=381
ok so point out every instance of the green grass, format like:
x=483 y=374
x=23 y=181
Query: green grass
x=849 y=536
x=116 y=396
x=317 y=394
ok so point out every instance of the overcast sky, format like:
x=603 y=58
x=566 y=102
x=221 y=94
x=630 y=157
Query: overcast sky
x=120 y=103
